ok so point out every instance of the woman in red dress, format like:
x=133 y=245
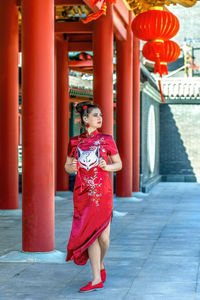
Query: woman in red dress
x=93 y=193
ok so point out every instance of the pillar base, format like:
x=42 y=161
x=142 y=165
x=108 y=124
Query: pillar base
x=139 y=194
x=119 y=213
x=30 y=257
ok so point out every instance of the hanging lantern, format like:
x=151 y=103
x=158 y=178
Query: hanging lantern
x=157 y=27
x=161 y=53
x=155 y=24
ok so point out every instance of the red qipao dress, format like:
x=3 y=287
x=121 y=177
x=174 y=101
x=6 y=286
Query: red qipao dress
x=92 y=194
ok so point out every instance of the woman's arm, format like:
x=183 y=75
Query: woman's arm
x=115 y=166
x=116 y=163
x=71 y=165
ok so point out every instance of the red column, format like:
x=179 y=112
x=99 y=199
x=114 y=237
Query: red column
x=136 y=114
x=38 y=125
x=8 y=105
x=62 y=113
x=19 y=121
x=103 y=69
x=55 y=108
x=124 y=113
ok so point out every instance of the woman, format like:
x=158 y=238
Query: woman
x=93 y=194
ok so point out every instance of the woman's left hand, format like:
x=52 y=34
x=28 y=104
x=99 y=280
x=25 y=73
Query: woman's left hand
x=103 y=164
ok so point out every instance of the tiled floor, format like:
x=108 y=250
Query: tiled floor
x=154 y=251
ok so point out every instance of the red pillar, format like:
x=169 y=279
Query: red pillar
x=124 y=113
x=103 y=70
x=62 y=113
x=55 y=107
x=55 y=114
x=8 y=105
x=136 y=114
x=38 y=125
x=19 y=121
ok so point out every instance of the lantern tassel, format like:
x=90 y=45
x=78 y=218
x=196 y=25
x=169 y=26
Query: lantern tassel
x=164 y=69
x=161 y=68
x=160 y=89
x=157 y=67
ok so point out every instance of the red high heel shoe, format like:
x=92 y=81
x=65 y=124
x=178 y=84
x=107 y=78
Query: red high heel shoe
x=103 y=274
x=89 y=287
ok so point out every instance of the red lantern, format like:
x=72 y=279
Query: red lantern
x=155 y=24
x=162 y=53
x=157 y=27
x=171 y=51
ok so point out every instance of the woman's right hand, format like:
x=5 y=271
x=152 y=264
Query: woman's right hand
x=74 y=165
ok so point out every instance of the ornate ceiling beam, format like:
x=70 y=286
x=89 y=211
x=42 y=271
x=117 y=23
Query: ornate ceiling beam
x=120 y=14
x=61 y=2
x=136 y=5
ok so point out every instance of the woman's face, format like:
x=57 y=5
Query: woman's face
x=94 y=118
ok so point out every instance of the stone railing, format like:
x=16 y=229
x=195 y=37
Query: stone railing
x=78 y=82
x=181 y=87
x=177 y=87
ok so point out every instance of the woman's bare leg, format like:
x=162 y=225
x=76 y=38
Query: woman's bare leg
x=104 y=244
x=94 y=252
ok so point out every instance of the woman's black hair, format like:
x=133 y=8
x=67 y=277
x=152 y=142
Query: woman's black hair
x=80 y=110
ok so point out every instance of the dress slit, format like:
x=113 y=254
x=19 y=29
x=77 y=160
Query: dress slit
x=80 y=255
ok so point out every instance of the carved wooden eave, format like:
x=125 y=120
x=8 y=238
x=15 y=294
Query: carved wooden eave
x=67 y=9
x=74 y=10
x=138 y=6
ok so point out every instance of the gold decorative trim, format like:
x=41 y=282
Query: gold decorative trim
x=138 y=6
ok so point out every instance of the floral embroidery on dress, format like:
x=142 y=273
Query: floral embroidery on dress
x=92 y=147
x=97 y=142
x=94 y=183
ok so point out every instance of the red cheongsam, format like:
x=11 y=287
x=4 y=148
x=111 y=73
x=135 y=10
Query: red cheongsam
x=92 y=194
